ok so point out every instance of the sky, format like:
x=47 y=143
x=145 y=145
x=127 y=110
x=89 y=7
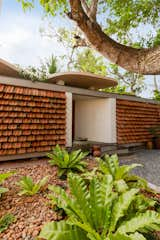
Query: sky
x=20 y=38
x=21 y=42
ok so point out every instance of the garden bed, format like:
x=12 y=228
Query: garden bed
x=31 y=212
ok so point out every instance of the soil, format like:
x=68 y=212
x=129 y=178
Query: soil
x=31 y=212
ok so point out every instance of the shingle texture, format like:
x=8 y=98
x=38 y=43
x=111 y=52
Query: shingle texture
x=134 y=119
x=31 y=120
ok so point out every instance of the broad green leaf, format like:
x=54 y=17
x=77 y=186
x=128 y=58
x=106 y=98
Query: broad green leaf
x=61 y=230
x=121 y=205
x=143 y=221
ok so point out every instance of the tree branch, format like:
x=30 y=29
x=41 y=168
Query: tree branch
x=90 y=11
x=80 y=42
x=144 y=61
x=93 y=10
x=85 y=6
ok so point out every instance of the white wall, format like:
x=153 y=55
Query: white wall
x=95 y=119
x=68 y=119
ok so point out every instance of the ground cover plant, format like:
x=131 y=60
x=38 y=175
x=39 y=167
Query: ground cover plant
x=3 y=177
x=98 y=212
x=66 y=161
x=28 y=187
x=5 y=221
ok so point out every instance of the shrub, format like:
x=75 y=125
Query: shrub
x=67 y=162
x=28 y=187
x=98 y=212
x=5 y=221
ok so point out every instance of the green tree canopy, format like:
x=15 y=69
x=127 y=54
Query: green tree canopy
x=119 y=30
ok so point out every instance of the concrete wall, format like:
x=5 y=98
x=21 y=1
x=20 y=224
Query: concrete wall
x=68 y=119
x=95 y=119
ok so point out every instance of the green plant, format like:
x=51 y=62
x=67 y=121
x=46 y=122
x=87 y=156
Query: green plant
x=110 y=165
x=5 y=221
x=156 y=95
x=155 y=131
x=62 y=230
x=28 y=187
x=100 y=212
x=3 y=177
x=67 y=162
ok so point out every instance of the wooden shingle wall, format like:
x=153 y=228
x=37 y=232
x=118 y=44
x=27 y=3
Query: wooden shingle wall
x=31 y=120
x=134 y=119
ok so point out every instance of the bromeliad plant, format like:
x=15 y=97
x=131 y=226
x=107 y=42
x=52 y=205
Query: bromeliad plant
x=3 y=177
x=97 y=212
x=67 y=162
x=28 y=187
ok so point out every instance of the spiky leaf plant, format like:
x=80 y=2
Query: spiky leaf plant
x=28 y=187
x=67 y=162
x=101 y=212
x=3 y=177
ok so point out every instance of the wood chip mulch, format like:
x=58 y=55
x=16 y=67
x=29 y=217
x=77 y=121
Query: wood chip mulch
x=31 y=212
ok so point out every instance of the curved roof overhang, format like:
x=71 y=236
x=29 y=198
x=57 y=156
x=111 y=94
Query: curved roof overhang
x=82 y=80
x=72 y=79
x=8 y=70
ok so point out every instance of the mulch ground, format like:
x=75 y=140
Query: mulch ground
x=31 y=212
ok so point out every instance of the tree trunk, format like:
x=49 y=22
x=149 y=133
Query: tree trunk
x=155 y=82
x=142 y=61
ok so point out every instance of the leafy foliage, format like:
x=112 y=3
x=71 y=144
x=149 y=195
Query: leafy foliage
x=118 y=89
x=28 y=187
x=156 y=95
x=3 y=177
x=102 y=213
x=110 y=165
x=5 y=221
x=133 y=82
x=67 y=162
x=49 y=66
x=120 y=174
x=121 y=19
x=61 y=230
x=87 y=61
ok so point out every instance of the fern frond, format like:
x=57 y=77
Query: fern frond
x=61 y=230
x=80 y=193
x=122 y=171
x=121 y=205
x=150 y=220
x=120 y=236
